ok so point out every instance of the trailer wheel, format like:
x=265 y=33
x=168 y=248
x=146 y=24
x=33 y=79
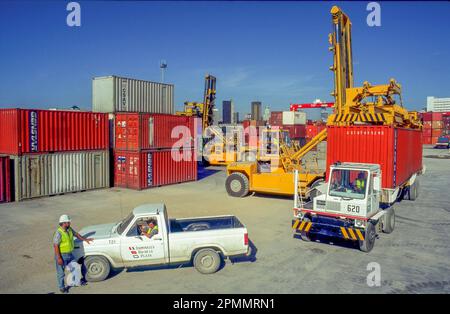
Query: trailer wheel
x=369 y=238
x=97 y=268
x=413 y=191
x=389 y=220
x=207 y=261
x=237 y=184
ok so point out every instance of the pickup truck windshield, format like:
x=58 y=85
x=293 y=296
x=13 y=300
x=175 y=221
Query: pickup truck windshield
x=348 y=183
x=124 y=223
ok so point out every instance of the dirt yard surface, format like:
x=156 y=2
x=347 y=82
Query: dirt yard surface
x=415 y=258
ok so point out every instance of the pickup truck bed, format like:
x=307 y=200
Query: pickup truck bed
x=209 y=223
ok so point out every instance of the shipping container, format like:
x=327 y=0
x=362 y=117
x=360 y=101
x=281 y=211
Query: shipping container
x=426 y=132
x=38 y=131
x=276 y=118
x=427 y=124
x=436 y=116
x=437 y=124
x=436 y=132
x=294 y=118
x=5 y=179
x=426 y=140
x=141 y=131
x=119 y=94
x=427 y=116
x=145 y=169
x=313 y=130
x=398 y=151
x=37 y=175
x=434 y=139
x=295 y=131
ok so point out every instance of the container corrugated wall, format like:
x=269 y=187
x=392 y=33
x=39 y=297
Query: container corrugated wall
x=136 y=131
x=5 y=180
x=119 y=94
x=398 y=151
x=39 y=175
x=141 y=170
x=38 y=131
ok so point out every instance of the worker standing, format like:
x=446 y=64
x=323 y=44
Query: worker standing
x=63 y=245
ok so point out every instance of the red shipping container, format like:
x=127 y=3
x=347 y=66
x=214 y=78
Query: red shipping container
x=398 y=151
x=276 y=118
x=426 y=132
x=136 y=131
x=37 y=131
x=313 y=130
x=145 y=169
x=427 y=124
x=436 y=132
x=436 y=116
x=427 y=116
x=295 y=131
x=426 y=140
x=5 y=179
x=434 y=139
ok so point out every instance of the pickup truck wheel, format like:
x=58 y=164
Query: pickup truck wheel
x=97 y=268
x=207 y=261
x=237 y=185
x=389 y=220
x=369 y=238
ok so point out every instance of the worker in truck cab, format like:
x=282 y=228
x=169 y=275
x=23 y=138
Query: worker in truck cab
x=152 y=228
x=360 y=183
x=63 y=245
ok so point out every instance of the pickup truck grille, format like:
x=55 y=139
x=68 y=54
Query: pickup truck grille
x=334 y=206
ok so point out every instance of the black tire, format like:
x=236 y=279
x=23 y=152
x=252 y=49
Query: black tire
x=207 y=261
x=389 y=220
x=413 y=191
x=314 y=192
x=237 y=184
x=97 y=268
x=369 y=238
x=305 y=236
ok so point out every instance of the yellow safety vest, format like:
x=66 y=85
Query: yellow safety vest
x=151 y=229
x=67 y=244
x=360 y=184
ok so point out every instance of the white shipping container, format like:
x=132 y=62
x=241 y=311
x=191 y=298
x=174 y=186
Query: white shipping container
x=38 y=175
x=119 y=94
x=294 y=118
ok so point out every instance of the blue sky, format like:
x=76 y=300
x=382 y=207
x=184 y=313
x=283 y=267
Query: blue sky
x=275 y=52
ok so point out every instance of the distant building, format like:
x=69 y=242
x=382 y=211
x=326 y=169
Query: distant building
x=236 y=117
x=256 y=110
x=438 y=104
x=248 y=116
x=227 y=111
x=266 y=114
x=216 y=116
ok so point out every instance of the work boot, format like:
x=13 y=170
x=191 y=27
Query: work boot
x=64 y=290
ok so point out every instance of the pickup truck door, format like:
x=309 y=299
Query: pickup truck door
x=137 y=249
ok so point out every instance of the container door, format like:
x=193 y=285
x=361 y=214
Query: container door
x=98 y=171
x=137 y=249
x=35 y=178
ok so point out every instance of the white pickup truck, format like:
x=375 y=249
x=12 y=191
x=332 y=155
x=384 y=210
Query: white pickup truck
x=205 y=241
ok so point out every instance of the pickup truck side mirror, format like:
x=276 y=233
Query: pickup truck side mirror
x=376 y=184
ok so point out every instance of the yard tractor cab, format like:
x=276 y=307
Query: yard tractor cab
x=349 y=207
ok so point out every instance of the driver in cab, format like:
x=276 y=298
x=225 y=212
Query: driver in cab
x=360 y=183
x=149 y=229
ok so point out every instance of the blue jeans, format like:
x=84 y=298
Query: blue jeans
x=67 y=258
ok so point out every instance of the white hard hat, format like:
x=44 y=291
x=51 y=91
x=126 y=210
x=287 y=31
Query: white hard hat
x=64 y=218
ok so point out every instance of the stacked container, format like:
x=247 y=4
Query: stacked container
x=435 y=124
x=54 y=151
x=153 y=150
x=293 y=122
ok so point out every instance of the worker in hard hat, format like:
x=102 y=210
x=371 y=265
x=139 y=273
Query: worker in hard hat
x=152 y=229
x=63 y=245
x=360 y=183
